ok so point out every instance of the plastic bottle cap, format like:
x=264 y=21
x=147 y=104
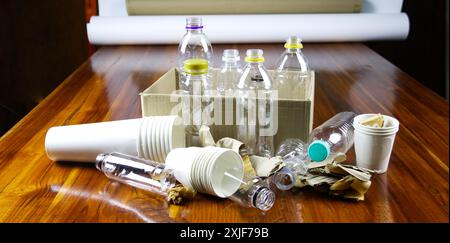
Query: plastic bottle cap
x=254 y=55
x=194 y=23
x=196 y=66
x=293 y=42
x=318 y=150
x=231 y=55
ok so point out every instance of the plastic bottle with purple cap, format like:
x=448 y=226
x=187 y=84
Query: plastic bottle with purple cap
x=194 y=43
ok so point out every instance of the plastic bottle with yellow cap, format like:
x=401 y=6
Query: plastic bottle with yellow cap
x=292 y=70
x=196 y=82
x=194 y=44
x=256 y=123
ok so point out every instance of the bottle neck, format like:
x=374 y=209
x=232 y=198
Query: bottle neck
x=255 y=64
x=293 y=50
x=231 y=64
x=196 y=77
x=194 y=31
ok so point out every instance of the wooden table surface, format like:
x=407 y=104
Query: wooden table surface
x=106 y=87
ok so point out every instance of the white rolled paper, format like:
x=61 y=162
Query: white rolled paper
x=251 y=28
x=119 y=7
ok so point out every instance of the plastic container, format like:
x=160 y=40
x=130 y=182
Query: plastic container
x=294 y=153
x=292 y=68
x=256 y=126
x=196 y=82
x=194 y=43
x=254 y=193
x=335 y=135
x=144 y=174
x=230 y=72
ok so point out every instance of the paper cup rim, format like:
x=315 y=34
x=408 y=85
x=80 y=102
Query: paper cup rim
x=371 y=132
x=217 y=186
x=357 y=125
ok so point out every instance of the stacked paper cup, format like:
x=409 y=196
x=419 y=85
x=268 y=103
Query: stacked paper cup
x=150 y=137
x=211 y=170
x=159 y=135
x=373 y=145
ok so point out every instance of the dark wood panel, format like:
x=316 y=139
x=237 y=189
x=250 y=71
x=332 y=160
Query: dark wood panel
x=106 y=87
x=423 y=54
x=41 y=43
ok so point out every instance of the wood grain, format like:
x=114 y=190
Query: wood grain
x=106 y=87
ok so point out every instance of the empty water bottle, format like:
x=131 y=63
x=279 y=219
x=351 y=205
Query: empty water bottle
x=194 y=43
x=335 y=135
x=292 y=69
x=230 y=72
x=198 y=112
x=144 y=174
x=294 y=154
x=254 y=193
x=256 y=124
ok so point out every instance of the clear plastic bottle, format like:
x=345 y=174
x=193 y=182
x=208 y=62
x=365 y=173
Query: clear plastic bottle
x=230 y=72
x=294 y=153
x=254 y=193
x=196 y=82
x=255 y=124
x=292 y=69
x=335 y=135
x=144 y=174
x=194 y=43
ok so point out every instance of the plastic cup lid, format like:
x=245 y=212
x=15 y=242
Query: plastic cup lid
x=318 y=150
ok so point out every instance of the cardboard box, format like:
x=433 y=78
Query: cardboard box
x=295 y=115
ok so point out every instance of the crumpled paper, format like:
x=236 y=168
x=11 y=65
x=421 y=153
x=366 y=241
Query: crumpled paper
x=253 y=165
x=179 y=194
x=342 y=180
x=266 y=167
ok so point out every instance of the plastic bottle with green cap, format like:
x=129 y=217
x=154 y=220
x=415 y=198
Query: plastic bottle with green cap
x=292 y=69
x=333 y=136
x=255 y=126
x=196 y=82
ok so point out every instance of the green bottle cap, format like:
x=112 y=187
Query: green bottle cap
x=318 y=150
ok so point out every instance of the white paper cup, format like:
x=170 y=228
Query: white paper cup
x=181 y=160
x=230 y=162
x=373 y=146
x=84 y=142
x=215 y=163
x=150 y=137
x=160 y=135
x=205 y=169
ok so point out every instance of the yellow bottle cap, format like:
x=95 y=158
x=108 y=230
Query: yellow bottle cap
x=293 y=42
x=254 y=55
x=196 y=66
